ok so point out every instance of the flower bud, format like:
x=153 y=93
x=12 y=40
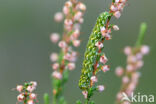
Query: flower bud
x=58 y=17
x=101 y=88
x=105 y=68
x=54 y=37
x=19 y=88
x=20 y=97
x=94 y=79
x=32 y=96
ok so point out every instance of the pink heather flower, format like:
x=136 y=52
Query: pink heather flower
x=125 y=79
x=123 y=1
x=139 y=56
x=68 y=4
x=120 y=7
x=99 y=45
x=145 y=49
x=71 y=66
x=115 y=27
x=81 y=20
x=136 y=75
x=76 y=33
x=78 y=15
x=117 y=14
x=119 y=96
x=30 y=102
x=66 y=10
x=103 y=59
x=109 y=31
x=132 y=86
x=85 y=93
x=139 y=64
x=101 y=88
x=30 y=88
x=94 y=79
x=68 y=22
x=103 y=31
x=117 y=1
x=55 y=66
x=76 y=43
x=73 y=59
x=58 y=17
x=62 y=44
x=126 y=102
x=74 y=54
x=132 y=59
x=108 y=36
x=67 y=56
x=81 y=6
x=113 y=8
x=54 y=37
x=32 y=96
x=54 y=57
x=19 y=88
x=127 y=50
x=128 y=92
x=130 y=68
x=105 y=68
x=34 y=83
x=57 y=75
x=20 y=97
x=119 y=71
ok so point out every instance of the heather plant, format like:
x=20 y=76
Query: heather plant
x=130 y=75
x=26 y=93
x=64 y=62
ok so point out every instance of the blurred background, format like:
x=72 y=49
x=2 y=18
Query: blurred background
x=25 y=27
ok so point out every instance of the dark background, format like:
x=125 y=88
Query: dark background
x=25 y=27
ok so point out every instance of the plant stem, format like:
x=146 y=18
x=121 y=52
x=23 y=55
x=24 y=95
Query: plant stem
x=143 y=28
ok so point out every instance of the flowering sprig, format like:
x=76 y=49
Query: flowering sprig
x=64 y=62
x=131 y=74
x=94 y=59
x=26 y=93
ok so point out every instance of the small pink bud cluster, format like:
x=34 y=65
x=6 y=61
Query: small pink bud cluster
x=58 y=17
x=100 y=88
x=78 y=10
x=85 y=94
x=117 y=7
x=106 y=33
x=103 y=60
x=104 y=68
x=26 y=92
x=73 y=12
x=54 y=37
x=130 y=76
x=134 y=57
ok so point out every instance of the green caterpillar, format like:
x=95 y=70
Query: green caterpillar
x=91 y=51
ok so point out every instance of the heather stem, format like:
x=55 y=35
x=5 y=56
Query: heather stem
x=54 y=99
x=143 y=28
x=46 y=98
x=25 y=100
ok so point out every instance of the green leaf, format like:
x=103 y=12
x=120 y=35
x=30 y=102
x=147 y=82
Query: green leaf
x=92 y=102
x=46 y=98
x=143 y=28
x=78 y=102
x=62 y=101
